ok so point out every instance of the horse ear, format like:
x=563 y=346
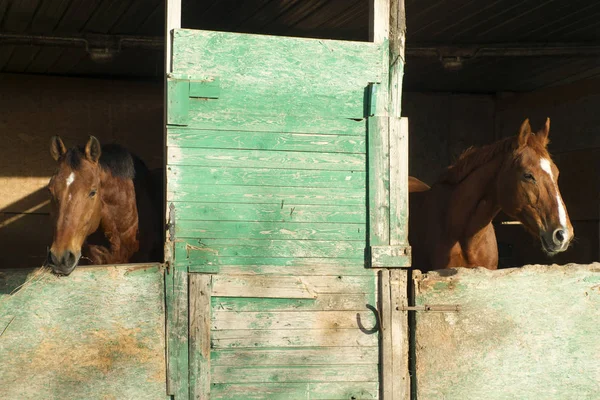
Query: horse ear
x=524 y=133
x=57 y=147
x=543 y=133
x=92 y=149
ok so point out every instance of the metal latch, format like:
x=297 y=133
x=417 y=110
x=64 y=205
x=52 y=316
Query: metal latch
x=432 y=308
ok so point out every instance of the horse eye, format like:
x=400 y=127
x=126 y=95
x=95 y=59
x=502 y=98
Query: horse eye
x=93 y=193
x=528 y=177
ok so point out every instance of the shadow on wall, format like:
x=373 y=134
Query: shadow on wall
x=25 y=235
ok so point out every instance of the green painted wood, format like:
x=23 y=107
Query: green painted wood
x=253 y=121
x=323 y=302
x=208 y=250
x=313 y=391
x=269 y=230
x=96 y=334
x=295 y=356
x=526 y=333
x=281 y=75
x=276 y=320
x=379 y=184
x=193 y=175
x=176 y=293
x=265 y=194
x=265 y=159
x=178 y=101
x=270 y=212
x=242 y=139
x=206 y=89
x=307 y=373
x=200 y=292
x=254 y=338
x=390 y=256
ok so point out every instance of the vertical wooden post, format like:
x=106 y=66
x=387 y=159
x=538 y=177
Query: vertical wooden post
x=388 y=200
x=176 y=280
x=200 y=316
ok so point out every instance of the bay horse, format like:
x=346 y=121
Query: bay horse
x=105 y=207
x=450 y=223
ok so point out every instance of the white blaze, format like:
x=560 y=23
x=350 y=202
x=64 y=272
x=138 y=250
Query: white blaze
x=70 y=179
x=562 y=214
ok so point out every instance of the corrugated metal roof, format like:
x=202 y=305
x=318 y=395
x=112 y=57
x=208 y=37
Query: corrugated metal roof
x=430 y=23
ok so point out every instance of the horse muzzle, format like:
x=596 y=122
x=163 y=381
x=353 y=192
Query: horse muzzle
x=555 y=241
x=63 y=263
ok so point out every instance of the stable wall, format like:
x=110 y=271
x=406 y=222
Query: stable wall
x=34 y=108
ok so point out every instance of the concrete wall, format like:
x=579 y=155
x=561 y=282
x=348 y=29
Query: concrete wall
x=36 y=107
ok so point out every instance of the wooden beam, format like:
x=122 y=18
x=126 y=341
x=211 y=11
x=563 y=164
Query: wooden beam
x=200 y=321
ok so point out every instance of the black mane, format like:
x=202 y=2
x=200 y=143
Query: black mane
x=114 y=158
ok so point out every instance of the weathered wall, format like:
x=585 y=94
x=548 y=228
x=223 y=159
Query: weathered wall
x=98 y=334
x=526 y=333
x=36 y=107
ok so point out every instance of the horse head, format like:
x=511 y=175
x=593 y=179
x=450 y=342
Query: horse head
x=75 y=201
x=527 y=188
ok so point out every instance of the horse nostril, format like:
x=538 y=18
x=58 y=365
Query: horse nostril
x=70 y=258
x=559 y=236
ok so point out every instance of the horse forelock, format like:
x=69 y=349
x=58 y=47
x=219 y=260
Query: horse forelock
x=114 y=158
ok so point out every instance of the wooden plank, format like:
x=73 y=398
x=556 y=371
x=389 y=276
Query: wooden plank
x=254 y=338
x=323 y=302
x=277 y=320
x=210 y=250
x=265 y=194
x=379 y=206
x=288 y=266
x=239 y=98
x=307 y=373
x=255 y=69
x=172 y=21
x=387 y=351
x=177 y=332
x=194 y=175
x=242 y=139
x=270 y=212
x=399 y=183
x=98 y=333
x=379 y=21
x=399 y=334
x=313 y=391
x=269 y=230
x=200 y=317
x=390 y=256
x=295 y=356
x=511 y=338
x=290 y=286
x=265 y=159
x=254 y=122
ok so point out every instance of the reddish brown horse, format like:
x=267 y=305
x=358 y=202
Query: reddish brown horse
x=450 y=224
x=102 y=198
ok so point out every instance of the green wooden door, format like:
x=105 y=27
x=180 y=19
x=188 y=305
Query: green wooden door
x=520 y=333
x=267 y=187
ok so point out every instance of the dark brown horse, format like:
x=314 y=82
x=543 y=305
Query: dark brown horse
x=105 y=207
x=450 y=224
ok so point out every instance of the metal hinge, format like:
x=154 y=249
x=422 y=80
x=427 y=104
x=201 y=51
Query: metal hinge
x=432 y=308
x=171 y=222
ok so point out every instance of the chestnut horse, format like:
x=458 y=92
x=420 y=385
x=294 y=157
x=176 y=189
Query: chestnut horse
x=105 y=207
x=450 y=224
